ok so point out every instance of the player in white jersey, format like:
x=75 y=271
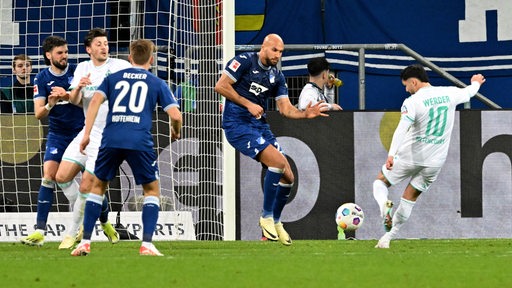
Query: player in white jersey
x=321 y=83
x=420 y=144
x=88 y=76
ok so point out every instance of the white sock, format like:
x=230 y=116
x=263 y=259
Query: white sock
x=78 y=214
x=147 y=244
x=402 y=214
x=380 y=193
x=84 y=241
x=70 y=190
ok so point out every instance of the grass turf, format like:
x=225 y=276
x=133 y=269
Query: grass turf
x=307 y=263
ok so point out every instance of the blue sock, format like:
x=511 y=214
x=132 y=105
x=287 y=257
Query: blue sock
x=44 y=203
x=91 y=213
x=270 y=184
x=149 y=217
x=283 y=193
x=104 y=210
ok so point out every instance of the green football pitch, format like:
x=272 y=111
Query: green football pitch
x=307 y=263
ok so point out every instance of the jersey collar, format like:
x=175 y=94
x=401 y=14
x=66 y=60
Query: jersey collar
x=261 y=64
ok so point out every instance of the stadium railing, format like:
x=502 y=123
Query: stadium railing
x=361 y=49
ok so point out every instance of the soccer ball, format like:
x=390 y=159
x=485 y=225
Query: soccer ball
x=349 y=216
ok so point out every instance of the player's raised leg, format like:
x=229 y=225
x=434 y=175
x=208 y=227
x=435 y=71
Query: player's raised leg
x=380 y=193
x=402 y=214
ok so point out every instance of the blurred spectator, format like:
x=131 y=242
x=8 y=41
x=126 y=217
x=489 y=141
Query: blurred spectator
x=320 y=86
x=19 y=97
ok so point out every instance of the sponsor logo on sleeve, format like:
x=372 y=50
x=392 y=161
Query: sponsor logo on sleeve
x=234 y=65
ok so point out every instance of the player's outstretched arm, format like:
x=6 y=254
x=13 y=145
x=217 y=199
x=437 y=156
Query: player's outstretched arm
x=476 y=81
x=478 y=78
x=92 y=112
x=289 y=111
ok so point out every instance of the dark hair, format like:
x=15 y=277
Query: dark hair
x=93 y=33
x=414 y=71
x=51 y=42
x=317 y=66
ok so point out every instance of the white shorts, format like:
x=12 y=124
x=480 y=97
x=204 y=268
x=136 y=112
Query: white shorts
x=88 y=161
x=421 y=177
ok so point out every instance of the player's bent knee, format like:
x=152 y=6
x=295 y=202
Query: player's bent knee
x=61 y=177
x=87 y=183
x=151 y=189
x=288 y=177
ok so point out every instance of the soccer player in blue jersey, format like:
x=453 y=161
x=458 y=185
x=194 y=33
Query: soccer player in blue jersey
x=247 y=82
x=132 y=95
x=65 y=120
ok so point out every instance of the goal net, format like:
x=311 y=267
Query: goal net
x=188 y=36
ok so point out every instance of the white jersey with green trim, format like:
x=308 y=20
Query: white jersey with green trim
x=430 y=114
x=97 y=74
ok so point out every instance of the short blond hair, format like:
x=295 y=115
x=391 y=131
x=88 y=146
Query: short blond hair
x=141 y=51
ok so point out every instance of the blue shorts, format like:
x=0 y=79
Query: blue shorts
x=143 y=163
x=56 y=145
x=250 y=139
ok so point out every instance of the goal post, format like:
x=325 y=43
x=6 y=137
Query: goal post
x=229 y=154
x=192 y=38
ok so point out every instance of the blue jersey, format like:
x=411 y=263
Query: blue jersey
x=132 y=96
x=65 y=118
x=253 y=81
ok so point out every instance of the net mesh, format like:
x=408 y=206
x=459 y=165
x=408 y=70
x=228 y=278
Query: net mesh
x=188 y=38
